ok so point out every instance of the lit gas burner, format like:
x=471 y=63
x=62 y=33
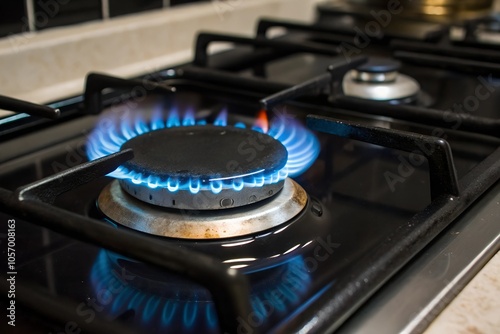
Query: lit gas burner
x=379 y=79
x=203 y=166
x=182 y=164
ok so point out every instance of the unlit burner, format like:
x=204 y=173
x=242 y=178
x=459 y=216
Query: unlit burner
x=379 y=79
x=205 y=167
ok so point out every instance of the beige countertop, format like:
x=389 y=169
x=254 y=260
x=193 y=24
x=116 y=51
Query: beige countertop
x=476 y=309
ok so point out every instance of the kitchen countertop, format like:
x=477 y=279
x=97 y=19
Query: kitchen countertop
x=476 y=308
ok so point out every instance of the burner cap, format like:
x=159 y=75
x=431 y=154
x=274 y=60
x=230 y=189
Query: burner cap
x=204 y=167
x=379 y=80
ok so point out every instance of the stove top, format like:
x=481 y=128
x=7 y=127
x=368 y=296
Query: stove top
x=286 y=185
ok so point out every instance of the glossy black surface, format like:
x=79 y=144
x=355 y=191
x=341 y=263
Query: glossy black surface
x=19 y=106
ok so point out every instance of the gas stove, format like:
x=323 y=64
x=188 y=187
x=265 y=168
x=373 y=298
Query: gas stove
x=292 y=183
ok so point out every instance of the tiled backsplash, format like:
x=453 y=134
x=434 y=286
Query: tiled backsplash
x=22 y=16
x=53 y=13
x=122 y=7
x=11 y=17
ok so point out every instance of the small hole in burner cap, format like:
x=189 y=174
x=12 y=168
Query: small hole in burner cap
x=150 y=197
x=226 y=202
x=173 y=202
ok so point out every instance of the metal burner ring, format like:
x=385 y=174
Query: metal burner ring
x=401 y=87
x=126 y=210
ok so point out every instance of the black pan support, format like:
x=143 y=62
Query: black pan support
x=229 y=288
x=97 y=82
x=205 y=39
x=19 y=106
x=315 y=85
x=467 y=122
x=443 y=175
x=447 y=62
x=463 y=52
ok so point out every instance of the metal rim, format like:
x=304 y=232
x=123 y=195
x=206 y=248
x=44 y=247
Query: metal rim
x=126 y=210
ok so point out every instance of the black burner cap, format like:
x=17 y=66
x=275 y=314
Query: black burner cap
x=380 y=65
x=209 y=166
x=205 y=152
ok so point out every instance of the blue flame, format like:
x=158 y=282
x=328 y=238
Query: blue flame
x=192 y=313
x=112 y=132
x=302 y=145
x=221 y=120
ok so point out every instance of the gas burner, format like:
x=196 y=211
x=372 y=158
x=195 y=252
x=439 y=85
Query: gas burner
x=182 y=162
x=212 y=161
x=126 y=210
x=378 y=79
